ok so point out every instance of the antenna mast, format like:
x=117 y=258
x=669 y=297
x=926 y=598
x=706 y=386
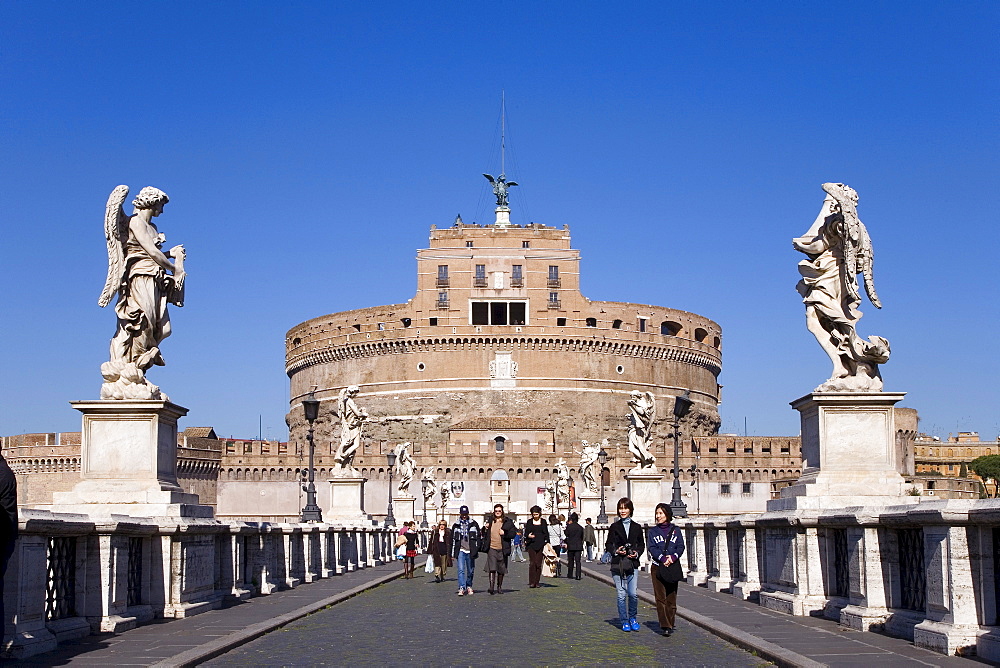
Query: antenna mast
x=503 y=129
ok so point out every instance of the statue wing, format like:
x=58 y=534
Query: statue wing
x=866 y=260
x=651 y=414
x=489 y=177
x=115 y=231
x=511 y=183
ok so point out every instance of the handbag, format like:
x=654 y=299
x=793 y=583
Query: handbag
x=429 y=566
x=400 y=541
x=671 y=573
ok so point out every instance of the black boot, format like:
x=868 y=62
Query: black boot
x=499 y=583
x=493 y=579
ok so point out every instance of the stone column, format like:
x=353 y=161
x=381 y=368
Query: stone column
x=868 y=609
x=749 y=584
x=699 y=574
x=952 y=623
x=723 y=580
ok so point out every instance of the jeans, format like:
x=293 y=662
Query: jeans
x=626 y=586
x=590 y=552
x=517 y=554
x=466 y=569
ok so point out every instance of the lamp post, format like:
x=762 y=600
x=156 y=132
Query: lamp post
x=311 y=511
x=602 y=457
x=423 y=488
x=682 y=405
x=390 y=521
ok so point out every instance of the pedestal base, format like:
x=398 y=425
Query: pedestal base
x=129 y=462
x=403 y=508
x=590 y=506
x=644 y=490
x=346 y=501
x=849 y=455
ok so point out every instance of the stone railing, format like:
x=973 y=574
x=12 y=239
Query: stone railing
x=928 y=572
x=71 y=576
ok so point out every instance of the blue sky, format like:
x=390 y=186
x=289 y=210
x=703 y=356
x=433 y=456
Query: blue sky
x=308 y=147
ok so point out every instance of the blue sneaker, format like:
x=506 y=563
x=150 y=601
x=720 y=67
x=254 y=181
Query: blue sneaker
x=626 y=627
x=634 y=624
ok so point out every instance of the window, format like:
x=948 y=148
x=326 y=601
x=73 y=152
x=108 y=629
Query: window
x=746 y=488
x=617 y=324
x=553 y=276
x=670 y=328
x=468 y=244
x=525 y=244
x=554 y=300
x=700 y=335
x=591 y=322
x=516 y=276
x=480 y=279
x=560 y=322
x=381 y=327
x=433 y=322
x=406 y=322
x=724 y=489
x=442 y=300
x=442 y=279
x=500 y=442
x=642 y=324
x=499 y=313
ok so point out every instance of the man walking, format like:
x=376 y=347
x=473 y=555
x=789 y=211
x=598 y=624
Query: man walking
x=589 y=539
x=465 y=549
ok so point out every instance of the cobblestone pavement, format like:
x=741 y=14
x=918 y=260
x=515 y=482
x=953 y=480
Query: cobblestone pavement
x=419 y=621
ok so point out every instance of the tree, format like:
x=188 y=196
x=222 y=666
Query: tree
x=987 y=467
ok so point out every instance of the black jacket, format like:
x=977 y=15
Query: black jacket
x=456 y=539
x=8 y=504
x=508 y=530
x=617 y=538
x=541 y=531
x=574 y=537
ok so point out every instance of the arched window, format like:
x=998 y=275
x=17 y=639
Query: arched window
x=670 y=328
x=700 y=335
x=500 y=442
x=591 y=322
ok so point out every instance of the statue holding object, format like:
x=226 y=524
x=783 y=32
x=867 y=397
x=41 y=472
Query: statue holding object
x=351 y=420
x=145 y=279
x=405 y=467
x=642 y=413
x=838 y=249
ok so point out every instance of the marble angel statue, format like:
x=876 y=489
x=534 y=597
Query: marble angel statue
x=563 y=480
x=405 y=466
x=430 y=489
x=642 y=413
x=588 y=457
x=838 y=248
x=351 y=420
x=445 y=494
x=145 y=279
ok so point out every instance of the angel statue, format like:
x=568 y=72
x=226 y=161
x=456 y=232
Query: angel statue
x=351 y=420
x=431 y=487
x=562 y=482
x=838 y=248
x=588 y=457
x=405 y=467
x=551 y=504
x=445 y=494
x=642 y=412
x=145 y=281
x=500 y=186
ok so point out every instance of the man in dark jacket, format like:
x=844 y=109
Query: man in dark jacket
x=589 y=539
x=574 y=546
x=8 y=525
x=465 y=548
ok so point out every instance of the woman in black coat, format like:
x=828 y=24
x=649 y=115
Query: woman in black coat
x=536 y=535
x=625 y=543
x=497 y=534
x=574 y=546
x=439 y=547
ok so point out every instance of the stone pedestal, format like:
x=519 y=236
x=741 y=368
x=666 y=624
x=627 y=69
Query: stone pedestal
x=644 y=490
x=129 y=462
x=590 y=505
x=402 y=509
x=849 y=456
x=347 y=501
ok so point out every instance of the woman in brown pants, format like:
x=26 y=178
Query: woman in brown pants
x=666 y=545
x=536 y=535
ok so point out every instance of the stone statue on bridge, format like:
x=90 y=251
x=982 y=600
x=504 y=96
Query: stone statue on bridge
x=588 y=457
x=145 y=279
x=642 y=413
x=838 y=249
x=405 y=467
x=351 y=420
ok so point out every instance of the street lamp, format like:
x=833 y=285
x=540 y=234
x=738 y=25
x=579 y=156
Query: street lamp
x=311 y=511
x=602 y=457
x=682 y=405
x=390 y=521
x=423 y=488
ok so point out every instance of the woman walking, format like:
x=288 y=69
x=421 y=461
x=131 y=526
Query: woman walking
x=439 y=547
x=625 y=543
x=574 y=546
x=536 y=535
x=666 y=545
x=557 y=538
x=409 y=560
x=497 y=534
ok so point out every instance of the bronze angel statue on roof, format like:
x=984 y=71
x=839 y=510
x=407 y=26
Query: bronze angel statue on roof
x=838 y=249
x=500 y=185
x=145 y=279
